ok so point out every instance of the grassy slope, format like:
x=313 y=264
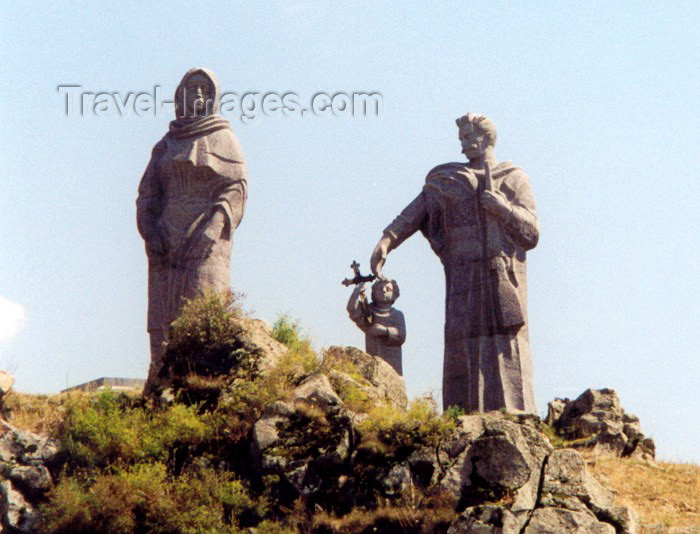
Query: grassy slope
x=662 y=493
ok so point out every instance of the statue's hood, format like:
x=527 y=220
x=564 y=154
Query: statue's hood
x=179 y=92
x=186 y=127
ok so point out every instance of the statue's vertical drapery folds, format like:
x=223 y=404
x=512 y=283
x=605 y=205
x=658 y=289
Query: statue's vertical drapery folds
x=487 y=365
x=480 y=220
x=191 y=199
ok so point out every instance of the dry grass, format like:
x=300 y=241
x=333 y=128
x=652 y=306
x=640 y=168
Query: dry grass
x=661 y=493
x=37 y=413
x=40 y=414
x=402 y=520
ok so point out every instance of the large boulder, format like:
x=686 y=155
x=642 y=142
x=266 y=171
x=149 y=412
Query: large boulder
x=507 y=478
x=256 y=337
x=597 y=420
x=560 y=520
x=365 y=376
x=495 y=458
x=568 y=485
x=241 y=348
x=21 y=447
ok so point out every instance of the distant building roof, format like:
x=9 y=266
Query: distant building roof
x=117 y=384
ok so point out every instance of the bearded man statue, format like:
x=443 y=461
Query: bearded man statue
x=191 y=199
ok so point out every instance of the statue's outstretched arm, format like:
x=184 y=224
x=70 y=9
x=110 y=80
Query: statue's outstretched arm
x=404 y=226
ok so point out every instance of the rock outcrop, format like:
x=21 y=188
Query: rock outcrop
x=241 y=346
x=339 y=437
x=509 y=479
x=499 y=469
x=306 y=441
x=25 y=459
x=597 y=420
x=375 y=378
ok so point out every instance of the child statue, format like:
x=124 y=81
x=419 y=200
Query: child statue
x=383 y=325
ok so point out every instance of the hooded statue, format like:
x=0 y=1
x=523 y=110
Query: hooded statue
x=191 y=199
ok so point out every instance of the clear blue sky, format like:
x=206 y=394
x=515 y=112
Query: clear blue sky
x=597 y=101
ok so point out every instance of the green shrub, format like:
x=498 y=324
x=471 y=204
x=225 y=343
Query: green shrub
x=205 y=340
x=111 y=429
x=299 y=362
x=288 y=332
x=144 y=498
x=454 y=412
x=406 y=430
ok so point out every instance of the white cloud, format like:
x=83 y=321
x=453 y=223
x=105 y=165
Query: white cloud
x=12 y=319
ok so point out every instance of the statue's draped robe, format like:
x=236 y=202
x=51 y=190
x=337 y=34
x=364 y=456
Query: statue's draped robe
x=484 y=368
x=196 y=170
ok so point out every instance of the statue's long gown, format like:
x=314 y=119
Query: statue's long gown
x=197 y=169
x=484 y=369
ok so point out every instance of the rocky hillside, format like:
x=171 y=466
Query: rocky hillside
x=259 y=434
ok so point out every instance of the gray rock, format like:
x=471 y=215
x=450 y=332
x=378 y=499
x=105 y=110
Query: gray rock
x=566 y=475
x=256 y=338
x=485 y=519
x=24 y=457
x=25 y=448
x=554 y=411
x=396 y=481
x=492 y=457
x=567 y=484
x=251 y=337
x=16 y=514
x=303 y=441
x=479 y=217
x=598 y=421
x=32 y=479
x=318 y=391
x=560 y=520
x=624 y=519
x=266 y=431
x=377 y=378
x=509 y=479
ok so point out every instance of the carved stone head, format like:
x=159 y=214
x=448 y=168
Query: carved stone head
x=476 y=133
x=197 y=95
x=385 y=292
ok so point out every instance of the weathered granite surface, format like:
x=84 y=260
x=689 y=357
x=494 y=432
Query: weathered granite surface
x=384 y=326
x=190 y=201
x=596 y=420
x=25 y=459
x=499 y=469
x=378 y=380
x=509 y=479
x=480 y=220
